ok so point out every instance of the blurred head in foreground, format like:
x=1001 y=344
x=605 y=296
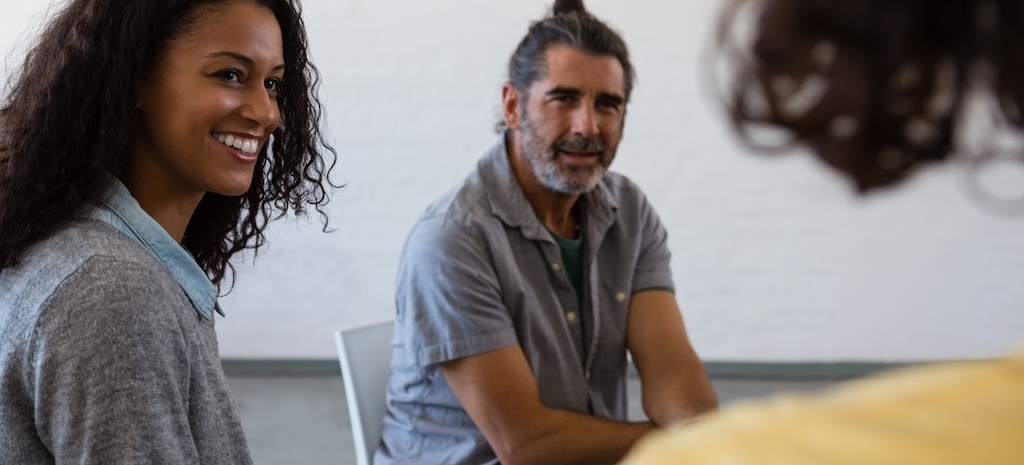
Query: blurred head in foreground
x=875 y=88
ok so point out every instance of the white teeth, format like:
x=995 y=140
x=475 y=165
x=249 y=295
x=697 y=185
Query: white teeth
x=239 y=143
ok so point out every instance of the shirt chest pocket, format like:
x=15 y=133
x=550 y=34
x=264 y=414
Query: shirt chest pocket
x=614 y=306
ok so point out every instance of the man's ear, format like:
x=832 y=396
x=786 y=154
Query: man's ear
x=510 y=103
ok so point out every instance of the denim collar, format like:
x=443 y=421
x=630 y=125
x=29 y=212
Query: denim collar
x=118 y=208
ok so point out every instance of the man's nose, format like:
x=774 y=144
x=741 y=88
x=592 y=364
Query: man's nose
x=584 y=122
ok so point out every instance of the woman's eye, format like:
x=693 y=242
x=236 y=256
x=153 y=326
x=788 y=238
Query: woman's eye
x=230 y=75
x=272 y=85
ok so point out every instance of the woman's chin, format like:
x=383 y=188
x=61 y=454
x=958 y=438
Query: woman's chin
x=234 y=189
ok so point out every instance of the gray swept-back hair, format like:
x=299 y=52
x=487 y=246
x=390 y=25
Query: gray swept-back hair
x=568 y=24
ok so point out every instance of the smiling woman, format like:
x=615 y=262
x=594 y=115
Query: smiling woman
x=142 y=145
x=213 y=86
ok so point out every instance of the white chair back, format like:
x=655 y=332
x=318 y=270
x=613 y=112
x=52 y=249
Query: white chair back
x=365 y=356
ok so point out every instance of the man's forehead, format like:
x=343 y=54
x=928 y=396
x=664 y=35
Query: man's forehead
x=568 y=67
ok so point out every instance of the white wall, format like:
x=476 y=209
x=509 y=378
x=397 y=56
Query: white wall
x=775 y=258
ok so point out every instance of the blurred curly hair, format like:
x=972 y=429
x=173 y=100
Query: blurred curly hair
x=874 y=88
x=68 y=117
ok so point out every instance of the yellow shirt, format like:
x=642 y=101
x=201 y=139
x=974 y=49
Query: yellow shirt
x=958 y=413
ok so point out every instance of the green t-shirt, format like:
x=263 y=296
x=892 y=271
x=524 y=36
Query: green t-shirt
x=572 y=261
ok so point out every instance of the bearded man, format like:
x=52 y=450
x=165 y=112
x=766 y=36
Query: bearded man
x=520 y=292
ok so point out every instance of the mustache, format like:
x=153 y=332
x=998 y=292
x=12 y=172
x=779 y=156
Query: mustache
x=580 y=144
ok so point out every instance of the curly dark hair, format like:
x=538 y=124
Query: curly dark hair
x=874 y=87
x=68 y=117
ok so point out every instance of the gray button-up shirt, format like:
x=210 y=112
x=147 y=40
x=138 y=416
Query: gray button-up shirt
x=480 y=272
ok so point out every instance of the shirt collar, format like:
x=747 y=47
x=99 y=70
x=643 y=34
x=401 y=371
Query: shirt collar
x=118 y=208
x=509 y=203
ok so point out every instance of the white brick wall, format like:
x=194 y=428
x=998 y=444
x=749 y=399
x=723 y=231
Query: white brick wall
x=775 y=259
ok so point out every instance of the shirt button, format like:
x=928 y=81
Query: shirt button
x=621 y=297
x=588 y=375
x=556 y=267
x=571 y=316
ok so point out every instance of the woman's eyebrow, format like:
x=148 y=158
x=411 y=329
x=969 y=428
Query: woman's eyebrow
x=240 y=57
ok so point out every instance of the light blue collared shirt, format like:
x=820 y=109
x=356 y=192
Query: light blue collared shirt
x=118 y=208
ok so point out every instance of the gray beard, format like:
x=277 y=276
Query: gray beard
x=545 y=165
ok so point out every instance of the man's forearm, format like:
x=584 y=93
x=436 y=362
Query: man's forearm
x=571 y=438
x=674 y=401
x=499 y=392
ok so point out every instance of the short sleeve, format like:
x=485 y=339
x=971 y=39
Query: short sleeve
x=109 y=368
x=653 y=268
x=449 y=295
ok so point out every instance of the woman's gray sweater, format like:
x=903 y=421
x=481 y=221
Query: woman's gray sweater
x=104 y=360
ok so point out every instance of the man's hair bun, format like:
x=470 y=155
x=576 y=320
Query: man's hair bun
x=568 y=6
